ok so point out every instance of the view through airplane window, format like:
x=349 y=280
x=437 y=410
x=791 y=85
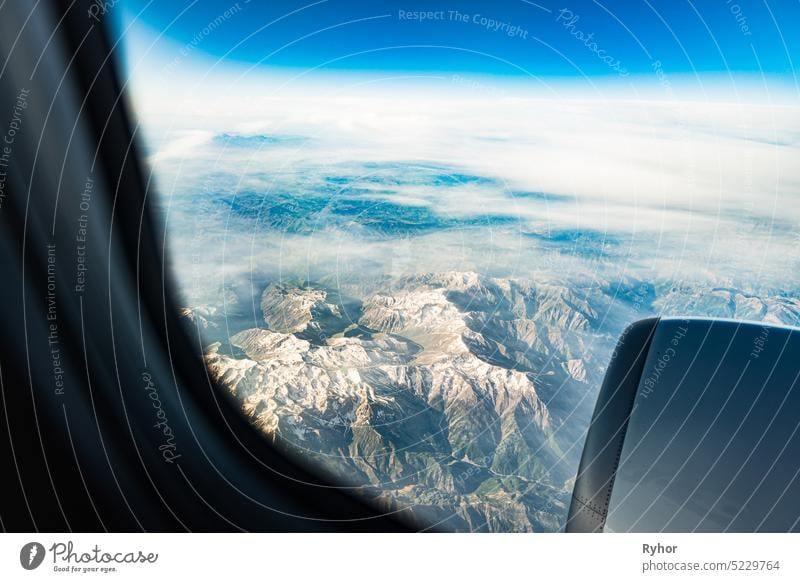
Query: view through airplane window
x=410 y=235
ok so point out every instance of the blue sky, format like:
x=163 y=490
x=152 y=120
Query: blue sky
x=378 y=35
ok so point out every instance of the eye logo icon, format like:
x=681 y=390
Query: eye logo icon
x=31 y=555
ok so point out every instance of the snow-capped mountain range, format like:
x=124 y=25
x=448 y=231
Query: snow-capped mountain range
x=459 y=399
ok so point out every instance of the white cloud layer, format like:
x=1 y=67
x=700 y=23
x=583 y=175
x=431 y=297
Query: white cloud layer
x=710 y=188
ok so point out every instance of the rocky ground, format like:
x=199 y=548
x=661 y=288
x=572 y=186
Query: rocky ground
x=459 y=398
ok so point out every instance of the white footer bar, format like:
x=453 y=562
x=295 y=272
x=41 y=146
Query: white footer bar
x=399 y=557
